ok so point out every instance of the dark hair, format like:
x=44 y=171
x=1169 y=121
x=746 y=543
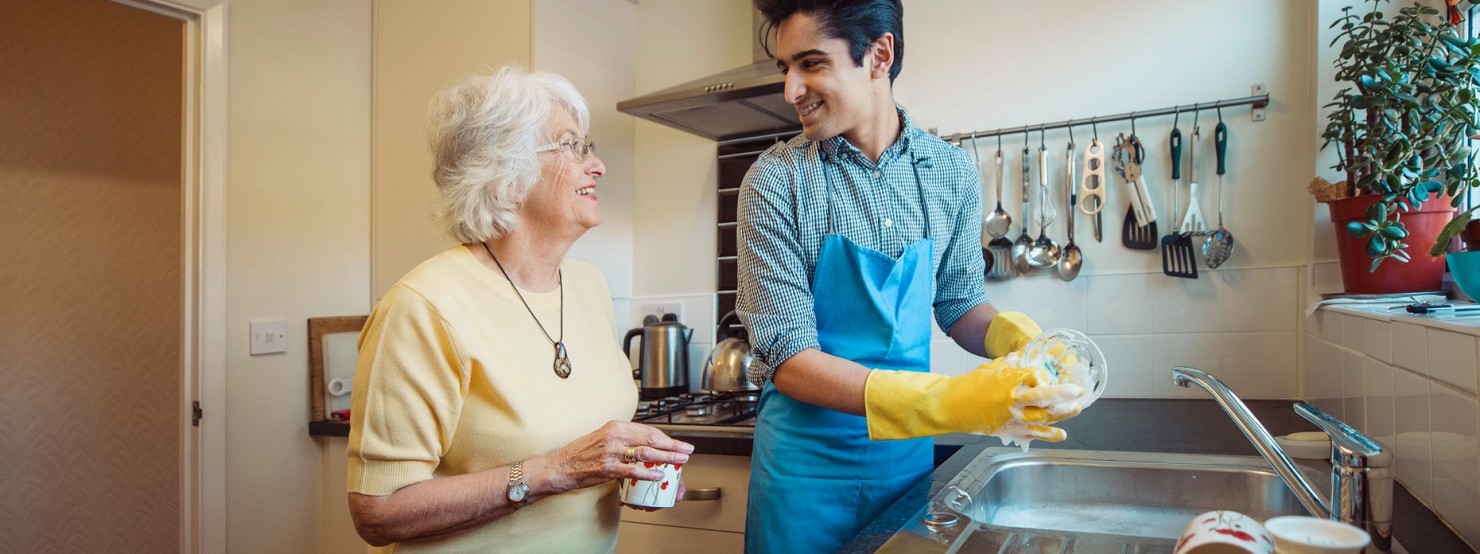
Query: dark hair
x=856 y=22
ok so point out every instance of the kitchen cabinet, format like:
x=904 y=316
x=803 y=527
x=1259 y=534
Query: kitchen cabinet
x=704 y=525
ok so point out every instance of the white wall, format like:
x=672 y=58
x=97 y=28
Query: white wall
x=298 y=207
x=985 y=65
x=594 y=45
x=675 y=211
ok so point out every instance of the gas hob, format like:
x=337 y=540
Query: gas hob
x=707 y=410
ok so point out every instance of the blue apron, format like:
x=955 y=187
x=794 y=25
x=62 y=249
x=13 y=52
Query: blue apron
x=816 y=479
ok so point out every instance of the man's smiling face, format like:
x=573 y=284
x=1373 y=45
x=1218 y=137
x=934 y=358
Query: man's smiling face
x=829 y=91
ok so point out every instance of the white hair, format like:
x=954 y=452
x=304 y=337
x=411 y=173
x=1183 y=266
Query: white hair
x=483 y=130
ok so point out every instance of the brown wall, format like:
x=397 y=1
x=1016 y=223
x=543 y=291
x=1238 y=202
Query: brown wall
x=90 y=277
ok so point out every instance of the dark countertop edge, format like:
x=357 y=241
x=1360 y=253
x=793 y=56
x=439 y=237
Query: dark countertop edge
x=326 y=428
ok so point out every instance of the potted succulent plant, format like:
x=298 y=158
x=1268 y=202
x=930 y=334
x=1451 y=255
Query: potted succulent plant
x=1401 y=132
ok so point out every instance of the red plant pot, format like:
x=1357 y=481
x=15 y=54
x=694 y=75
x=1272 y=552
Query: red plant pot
x=1421 y=274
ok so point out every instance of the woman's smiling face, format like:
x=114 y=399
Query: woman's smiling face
x=565 y=195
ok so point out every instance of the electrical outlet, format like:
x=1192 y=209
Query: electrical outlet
x=658 y=309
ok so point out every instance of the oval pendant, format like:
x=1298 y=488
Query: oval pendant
x=562 y=361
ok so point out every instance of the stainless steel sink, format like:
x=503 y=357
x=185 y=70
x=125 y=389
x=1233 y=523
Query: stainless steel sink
x=1090 y=501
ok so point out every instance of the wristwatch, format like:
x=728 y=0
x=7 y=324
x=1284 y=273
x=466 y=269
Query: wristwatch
x=518 y=490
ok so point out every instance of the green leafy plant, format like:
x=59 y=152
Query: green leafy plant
x=1402 y=128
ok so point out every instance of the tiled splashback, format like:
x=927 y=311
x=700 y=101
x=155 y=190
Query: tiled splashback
x=1239 y=324
x=1410 y=383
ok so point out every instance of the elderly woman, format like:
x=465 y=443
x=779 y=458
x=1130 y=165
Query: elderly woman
x=491 y=402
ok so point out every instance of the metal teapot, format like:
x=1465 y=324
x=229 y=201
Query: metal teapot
x=725 y=369
x=663 y=358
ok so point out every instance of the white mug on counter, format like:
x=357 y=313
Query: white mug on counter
x=340 y=387
x=1224 y=532
x=1313 y=535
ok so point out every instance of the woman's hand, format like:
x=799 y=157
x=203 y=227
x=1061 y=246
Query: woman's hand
x=601 y=457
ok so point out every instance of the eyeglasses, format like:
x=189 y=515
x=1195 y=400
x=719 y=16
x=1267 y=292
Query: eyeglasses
x=578 y=147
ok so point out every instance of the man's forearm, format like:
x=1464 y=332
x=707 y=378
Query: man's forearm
x=824 y=380
x=970 y=332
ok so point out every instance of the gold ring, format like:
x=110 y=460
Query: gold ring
x=631 y=456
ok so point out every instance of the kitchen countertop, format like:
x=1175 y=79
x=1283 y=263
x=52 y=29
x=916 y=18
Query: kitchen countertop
x=1198 y=426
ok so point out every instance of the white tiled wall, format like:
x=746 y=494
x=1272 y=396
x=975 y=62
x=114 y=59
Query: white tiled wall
x=1410 y=383
x=1238 y=324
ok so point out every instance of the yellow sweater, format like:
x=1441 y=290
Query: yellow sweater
x=454 y=377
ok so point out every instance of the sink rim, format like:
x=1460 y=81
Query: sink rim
x=992 y=460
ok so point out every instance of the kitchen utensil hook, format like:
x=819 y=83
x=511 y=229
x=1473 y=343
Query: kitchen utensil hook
x=1196 y=110
x=999 y=145
x=1096 y=127
x=1071 y=136
x=1219 y=106
x=975 y=154
x=1042 y=145
x=1176 y=115
x=1133 y=124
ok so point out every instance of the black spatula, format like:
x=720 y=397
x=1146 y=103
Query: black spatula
x=1177 y=258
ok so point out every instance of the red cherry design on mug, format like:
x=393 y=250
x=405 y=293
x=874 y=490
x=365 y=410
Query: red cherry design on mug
x=1240 y=535
x=663 y=486
x=649 y=465
x=677 y=467
x=634 y=481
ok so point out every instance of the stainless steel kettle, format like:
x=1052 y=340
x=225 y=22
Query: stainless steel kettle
x=663 y=358
x=726 y=367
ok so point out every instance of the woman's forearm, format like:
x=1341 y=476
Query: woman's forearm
x=434 y=509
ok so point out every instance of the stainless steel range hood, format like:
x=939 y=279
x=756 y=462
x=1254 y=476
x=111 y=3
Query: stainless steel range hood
x=743 y=102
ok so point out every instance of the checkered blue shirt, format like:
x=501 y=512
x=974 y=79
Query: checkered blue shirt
x=784 y=213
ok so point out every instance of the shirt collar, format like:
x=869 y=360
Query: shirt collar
x=840 y=147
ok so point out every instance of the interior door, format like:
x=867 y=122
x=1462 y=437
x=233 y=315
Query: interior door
x=91 y=241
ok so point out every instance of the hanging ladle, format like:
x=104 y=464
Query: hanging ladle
x=1023 y=246
x=1045 y=252
x=998 y=223
x=1072 y=258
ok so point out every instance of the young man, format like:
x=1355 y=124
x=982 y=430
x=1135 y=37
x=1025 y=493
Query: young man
x=850 y=236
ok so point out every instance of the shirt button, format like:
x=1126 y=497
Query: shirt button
x=878 y=174
x=888 y=222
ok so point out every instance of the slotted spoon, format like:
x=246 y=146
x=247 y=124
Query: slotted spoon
x=1219 y=245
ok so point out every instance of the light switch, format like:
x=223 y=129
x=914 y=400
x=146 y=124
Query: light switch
x=269 y=336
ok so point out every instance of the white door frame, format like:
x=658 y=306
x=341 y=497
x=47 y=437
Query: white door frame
x=203 y=344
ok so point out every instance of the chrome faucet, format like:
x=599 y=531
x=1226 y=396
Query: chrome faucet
x=1361 y=471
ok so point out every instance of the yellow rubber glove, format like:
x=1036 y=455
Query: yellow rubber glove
x=908 y=404
x=1010 y=332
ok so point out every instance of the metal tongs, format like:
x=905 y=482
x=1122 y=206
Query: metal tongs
x=1129 y=154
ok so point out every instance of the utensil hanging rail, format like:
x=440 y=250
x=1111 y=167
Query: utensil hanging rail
x=1257 y=101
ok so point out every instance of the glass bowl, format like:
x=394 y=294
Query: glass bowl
x=1071 y=357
